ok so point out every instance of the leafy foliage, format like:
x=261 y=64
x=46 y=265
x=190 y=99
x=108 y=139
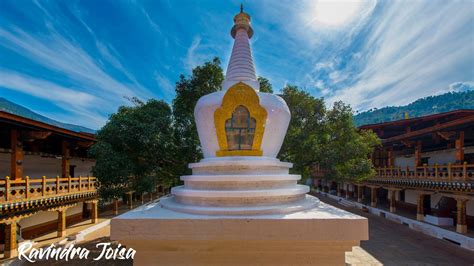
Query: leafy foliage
x=265 y=85
x=205 y=79
x=425 y=106
x=135 y=149
x=325 y=138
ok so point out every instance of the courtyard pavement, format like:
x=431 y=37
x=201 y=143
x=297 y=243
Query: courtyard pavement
x=391 y=243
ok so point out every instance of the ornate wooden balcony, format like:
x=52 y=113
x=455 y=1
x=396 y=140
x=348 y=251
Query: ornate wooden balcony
x=26 y=196
x=449 y=177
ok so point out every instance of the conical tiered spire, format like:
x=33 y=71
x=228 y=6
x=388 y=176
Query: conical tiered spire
x=241 y=67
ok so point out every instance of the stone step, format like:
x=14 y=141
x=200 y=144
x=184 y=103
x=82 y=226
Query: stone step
x=307 y=202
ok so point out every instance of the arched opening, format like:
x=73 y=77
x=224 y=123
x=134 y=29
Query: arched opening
x=240 y=129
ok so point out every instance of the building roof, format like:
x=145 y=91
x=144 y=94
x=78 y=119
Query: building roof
x=34 y=124
x=403 y=122
x=424 y=126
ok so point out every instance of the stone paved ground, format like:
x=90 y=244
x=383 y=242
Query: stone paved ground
x=390 y=244
x=395 y=244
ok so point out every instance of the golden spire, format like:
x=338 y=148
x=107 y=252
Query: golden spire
x=242 y=21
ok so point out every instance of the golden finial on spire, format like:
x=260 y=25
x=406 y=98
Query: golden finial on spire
x=242 y=21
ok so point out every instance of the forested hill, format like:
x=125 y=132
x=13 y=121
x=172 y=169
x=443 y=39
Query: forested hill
x=13 y=108
x=430 y=105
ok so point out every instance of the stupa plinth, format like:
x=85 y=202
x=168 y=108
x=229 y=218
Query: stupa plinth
x=240 y=205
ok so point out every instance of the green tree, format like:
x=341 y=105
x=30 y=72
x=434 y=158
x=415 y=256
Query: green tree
x=135 y=150
x=265 y=85
x=306 y=134
x=348 y=149
x=325 y=138
x=205 y=79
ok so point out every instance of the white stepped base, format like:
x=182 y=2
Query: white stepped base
x=307 y=203
x=254 y=193
x=240 y=186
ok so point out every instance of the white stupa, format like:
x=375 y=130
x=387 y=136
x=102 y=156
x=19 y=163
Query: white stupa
x=241 y=132
x=240 y=206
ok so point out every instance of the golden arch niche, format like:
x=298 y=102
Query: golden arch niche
x=240 y=122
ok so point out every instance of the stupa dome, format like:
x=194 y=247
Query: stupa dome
x=259 y=126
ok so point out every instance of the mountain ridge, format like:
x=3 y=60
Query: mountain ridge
x=424 y=106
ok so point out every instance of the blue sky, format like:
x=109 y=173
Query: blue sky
x=76 y=61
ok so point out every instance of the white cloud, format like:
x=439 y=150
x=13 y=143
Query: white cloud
x=412 y=51
x=319 y=84
x=164 y=84
x=44 y=89
x=324 y=65
x=192 y=57
x=461 y=86
x=84 y=105
x=58 y=54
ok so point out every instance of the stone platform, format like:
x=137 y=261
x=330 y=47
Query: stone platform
x=317 y=236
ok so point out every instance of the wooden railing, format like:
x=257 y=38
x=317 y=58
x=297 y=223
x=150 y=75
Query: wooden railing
x=30 y=189
x=436 y=172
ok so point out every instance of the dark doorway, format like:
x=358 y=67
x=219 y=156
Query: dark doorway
x=402 y=195
x=427 y=204
x=71 y=170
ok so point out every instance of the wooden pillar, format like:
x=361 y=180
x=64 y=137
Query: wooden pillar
x=420 y=212
x=347 y=191
x=393 y=201
x=373 y=196
x=115 y=206
x=61 y=222
x=94 y=213
x=338 y=189
x=359 y=193
x=130 y=200
x=65 y=159
x=390 y=157
x=142 y=197
x=16 y=161
x=418 y=154
x=460 y=148
x=10 y=240
x=461 y=223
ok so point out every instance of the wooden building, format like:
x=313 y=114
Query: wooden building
x=424 y=167
x=45 y=181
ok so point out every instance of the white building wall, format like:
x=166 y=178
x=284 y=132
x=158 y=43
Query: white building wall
x=48 y=216
x=36 y=166
x=470 y=208
x=411 y=196
x=83 y=166
x=439 y=157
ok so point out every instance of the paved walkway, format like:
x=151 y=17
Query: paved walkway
x=395 y=244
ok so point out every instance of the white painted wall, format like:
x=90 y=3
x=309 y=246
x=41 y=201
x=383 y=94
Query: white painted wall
x=36 y=166
x=439 y=157
x=470 y=208
x=47 y=216
x=411 y=196
x=397 y=195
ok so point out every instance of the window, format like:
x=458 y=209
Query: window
x=240 y=129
